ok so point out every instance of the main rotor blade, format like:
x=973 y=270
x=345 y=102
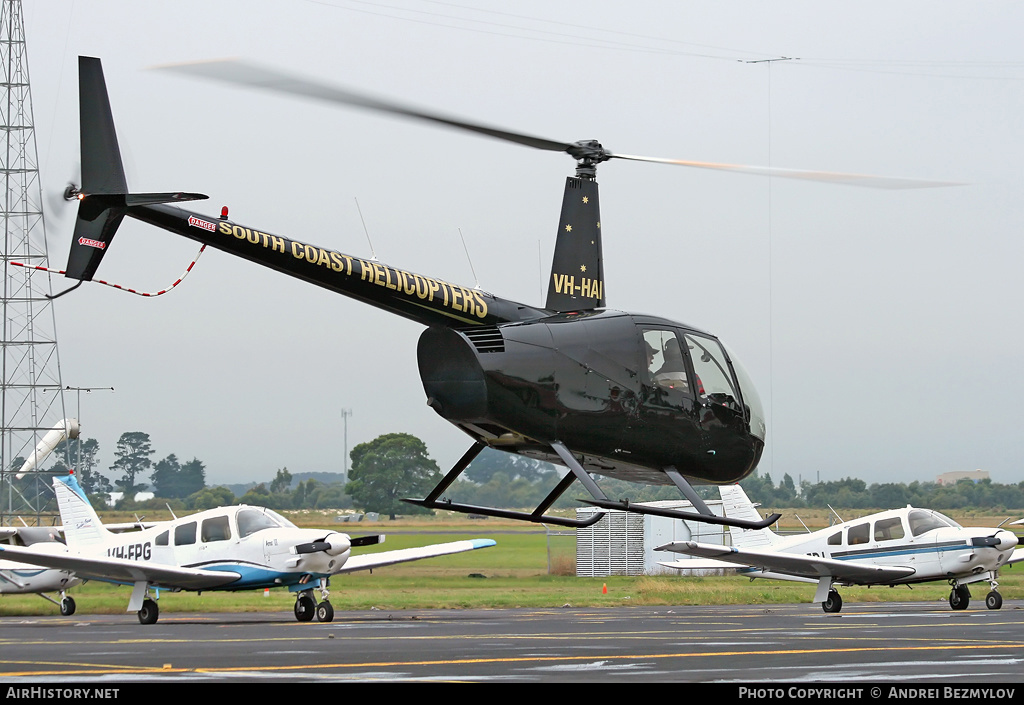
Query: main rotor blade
x=885 y=182
x=245 y=74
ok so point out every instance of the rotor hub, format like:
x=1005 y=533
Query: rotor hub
x=588 y=154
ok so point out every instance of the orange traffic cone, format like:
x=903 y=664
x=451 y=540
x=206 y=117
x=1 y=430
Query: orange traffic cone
x=604 y=589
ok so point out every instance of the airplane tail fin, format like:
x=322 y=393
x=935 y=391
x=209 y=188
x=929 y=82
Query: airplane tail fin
x=103 y=198
x=737 y=506
x=82 y=526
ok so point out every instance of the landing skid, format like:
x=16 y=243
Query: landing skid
x=537 y=516
x=434 y=500
x=686 y=516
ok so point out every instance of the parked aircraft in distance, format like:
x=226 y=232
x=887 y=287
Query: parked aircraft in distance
x=897 y=547
x=228 y=548
x=17 y=578
x=24 y=578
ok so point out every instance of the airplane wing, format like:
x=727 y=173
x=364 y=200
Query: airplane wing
x=368 y=561
x=705 y=564
x=797 y=564
x=1016 y=557
x=123 y=571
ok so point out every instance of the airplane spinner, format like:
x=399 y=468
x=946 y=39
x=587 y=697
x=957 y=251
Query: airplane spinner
x=629 y=396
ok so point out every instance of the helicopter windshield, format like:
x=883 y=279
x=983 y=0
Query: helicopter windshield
x=750 y=399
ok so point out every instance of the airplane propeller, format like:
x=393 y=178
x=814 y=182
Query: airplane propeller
x=333 y=544
x=587 y=153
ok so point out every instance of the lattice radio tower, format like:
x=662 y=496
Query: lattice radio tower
x=31 y=396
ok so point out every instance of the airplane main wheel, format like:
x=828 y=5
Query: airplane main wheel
x=149 y=613
x=833 y=603
x=993 y=600
x=305 y=608
x=67 y=606
x=959 y=597
x=325 y=612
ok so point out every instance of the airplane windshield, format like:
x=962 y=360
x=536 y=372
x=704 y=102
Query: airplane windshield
x=922 y=520
x=251 y=520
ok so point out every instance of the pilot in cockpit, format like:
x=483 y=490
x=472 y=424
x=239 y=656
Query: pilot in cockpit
x=672 y=373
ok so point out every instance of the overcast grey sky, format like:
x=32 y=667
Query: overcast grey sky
x=882 y=328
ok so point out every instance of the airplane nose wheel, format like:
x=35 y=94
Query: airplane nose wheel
x=67 y=606
x=305 y=607
x=993 y=600
x=324 y=612
x=960 y=597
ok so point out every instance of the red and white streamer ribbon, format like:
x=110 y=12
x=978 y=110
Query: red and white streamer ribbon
x=118 y=286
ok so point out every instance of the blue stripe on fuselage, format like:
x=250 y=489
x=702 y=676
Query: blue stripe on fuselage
x=902 y=550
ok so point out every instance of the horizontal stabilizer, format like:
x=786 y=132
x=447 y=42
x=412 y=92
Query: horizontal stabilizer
x=149 y=199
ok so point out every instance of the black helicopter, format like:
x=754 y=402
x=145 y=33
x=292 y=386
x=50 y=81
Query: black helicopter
x=628 y=396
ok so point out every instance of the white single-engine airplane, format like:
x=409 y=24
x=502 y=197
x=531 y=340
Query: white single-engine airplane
x=896 y=547
x=228 y=548
x=17 y=578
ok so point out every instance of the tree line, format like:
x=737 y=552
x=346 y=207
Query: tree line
x=397 y=465
x=170 y=478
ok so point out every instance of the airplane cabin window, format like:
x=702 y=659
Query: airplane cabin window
x=888 y=529
x=185 y=535
x=858 y=534
x=836 y=539
x=163 y=538
x=216 y=529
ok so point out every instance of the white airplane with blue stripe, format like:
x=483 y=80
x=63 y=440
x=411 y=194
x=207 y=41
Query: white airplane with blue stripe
x=17 y=578
x=897 y=547
x=229 y=548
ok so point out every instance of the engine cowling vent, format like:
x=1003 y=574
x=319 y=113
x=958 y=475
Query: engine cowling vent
x=486 y=339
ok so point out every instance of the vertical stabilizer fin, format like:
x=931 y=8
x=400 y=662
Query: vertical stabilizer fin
x=103 y=198
x=82 y=526
x=102 y=170
x=736 y=505
x=577 y=268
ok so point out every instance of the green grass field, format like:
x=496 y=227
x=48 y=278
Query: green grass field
x=527 y=568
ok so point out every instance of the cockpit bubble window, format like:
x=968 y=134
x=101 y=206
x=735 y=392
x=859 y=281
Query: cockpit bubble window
x=888 y=529
x=216 y=529
x=922 y=520
x=252 y=520
x=665 y=361
x=714 y=380
x=751 y=400
x=858 y=534
x=185 y=534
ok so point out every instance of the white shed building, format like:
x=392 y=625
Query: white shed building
x=623 y=543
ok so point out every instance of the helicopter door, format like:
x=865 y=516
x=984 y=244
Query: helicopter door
x=668 y=405
x=722 y=416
